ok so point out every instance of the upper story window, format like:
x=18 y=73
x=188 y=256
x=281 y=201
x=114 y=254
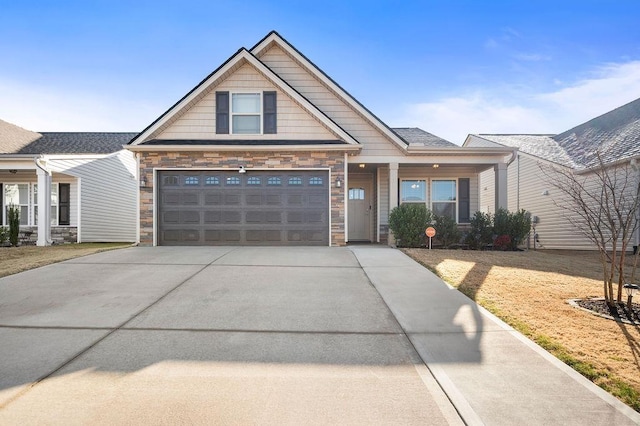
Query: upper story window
x=246 y=113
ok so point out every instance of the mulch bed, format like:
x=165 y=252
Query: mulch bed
x=618 y=311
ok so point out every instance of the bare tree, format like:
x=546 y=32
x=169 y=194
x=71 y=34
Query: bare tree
x=602 y=203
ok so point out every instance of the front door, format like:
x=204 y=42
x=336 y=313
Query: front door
x=359 y=209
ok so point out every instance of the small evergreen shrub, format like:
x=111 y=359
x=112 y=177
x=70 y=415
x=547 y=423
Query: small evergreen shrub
x=408 y=223
x=481 y=233
x=447 y=232
x=14 y=225
x=4 y=235
x=514 y=225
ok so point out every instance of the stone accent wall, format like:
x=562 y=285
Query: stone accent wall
x=232 y=160
x=59 y=235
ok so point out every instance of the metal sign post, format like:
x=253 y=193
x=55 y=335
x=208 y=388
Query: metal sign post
x=430 y=232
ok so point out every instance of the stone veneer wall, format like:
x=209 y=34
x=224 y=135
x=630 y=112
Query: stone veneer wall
x=333 y=160
x=59 y=234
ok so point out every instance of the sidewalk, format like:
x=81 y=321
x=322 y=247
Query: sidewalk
x=491 y=373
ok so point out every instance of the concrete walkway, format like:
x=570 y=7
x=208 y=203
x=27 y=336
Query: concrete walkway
x=169 y=335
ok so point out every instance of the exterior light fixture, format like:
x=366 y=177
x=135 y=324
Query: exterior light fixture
x=338 y=182
x=143 y=182
x=361 y=165
x=242 y=170
x=435 y=166
x=13 y=171
x=631 y=289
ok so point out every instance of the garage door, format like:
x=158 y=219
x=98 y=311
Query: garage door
x=253 y=208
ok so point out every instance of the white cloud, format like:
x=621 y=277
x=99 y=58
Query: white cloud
x=517 y=111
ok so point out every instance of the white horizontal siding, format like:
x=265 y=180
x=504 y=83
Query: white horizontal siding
x=108 y=195
x=293 y=122
x=373 y=141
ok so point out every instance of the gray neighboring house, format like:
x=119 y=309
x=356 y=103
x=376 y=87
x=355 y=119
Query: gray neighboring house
x=614 y=135
x=89 y=180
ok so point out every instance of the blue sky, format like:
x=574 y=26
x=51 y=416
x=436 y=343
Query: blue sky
x=449 y=67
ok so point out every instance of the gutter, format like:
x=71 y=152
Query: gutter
x=633 y=162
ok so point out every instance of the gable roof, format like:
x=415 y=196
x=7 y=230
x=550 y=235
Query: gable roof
x=275 y=37
x=13 y=138
x=77 y=143
x=542 y=146
x=416 y=136
x=615 y=135
x=240 y=57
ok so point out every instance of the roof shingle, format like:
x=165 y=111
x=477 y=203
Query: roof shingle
x=416 y=136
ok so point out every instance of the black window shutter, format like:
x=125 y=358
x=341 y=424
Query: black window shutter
x=64 y=204
x=464 y=201
x=222 y=113
x=269 y=113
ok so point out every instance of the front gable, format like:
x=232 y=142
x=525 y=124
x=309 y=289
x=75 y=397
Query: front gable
x=377 y=139
x=194 y=116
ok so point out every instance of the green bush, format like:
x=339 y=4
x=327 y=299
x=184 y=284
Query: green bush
x=515 y=225
x=481 y=232
x=14 y=225
x=447 y=231
x=4 y=235
x=408 y=223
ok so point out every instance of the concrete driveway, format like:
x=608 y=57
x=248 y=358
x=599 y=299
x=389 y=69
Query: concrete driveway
x=167 y=335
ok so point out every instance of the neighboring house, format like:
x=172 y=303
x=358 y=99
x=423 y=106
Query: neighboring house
x=269 y=150
x=90 y=185
x=614 y=135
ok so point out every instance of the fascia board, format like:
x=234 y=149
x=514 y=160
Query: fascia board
x=328 y=82
x=243 y=148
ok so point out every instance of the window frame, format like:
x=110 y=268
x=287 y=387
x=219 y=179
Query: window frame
x=260 y=114
x=426 y=190
x=55 y=221
x=5 y=216
x=455 y=202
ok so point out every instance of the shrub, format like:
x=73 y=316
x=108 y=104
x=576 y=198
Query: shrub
x=4 y=235
x=408 y=223
x=481 y=232
x=502 y=242
x=14 y=225
x=514 y=225
x=447 y=231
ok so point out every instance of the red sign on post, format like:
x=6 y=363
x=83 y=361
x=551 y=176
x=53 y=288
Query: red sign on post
x=430 y=232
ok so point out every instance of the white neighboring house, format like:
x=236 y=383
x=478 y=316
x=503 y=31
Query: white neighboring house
x=90 y=185
x=614 y=135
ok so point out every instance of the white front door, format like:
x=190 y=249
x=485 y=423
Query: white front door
x=360 y=210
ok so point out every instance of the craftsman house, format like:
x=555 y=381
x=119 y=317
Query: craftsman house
x=269 y=150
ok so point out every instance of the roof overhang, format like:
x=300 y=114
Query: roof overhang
x=243 y=148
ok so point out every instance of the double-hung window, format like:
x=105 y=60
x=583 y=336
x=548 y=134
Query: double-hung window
x=54 y=204
x=443 y=198
x=246 y=113
x=17 y=195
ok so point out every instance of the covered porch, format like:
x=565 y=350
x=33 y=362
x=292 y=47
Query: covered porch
x=446 y=180
x=43 y=200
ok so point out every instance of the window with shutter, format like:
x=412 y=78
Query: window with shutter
x=269 y=113
x=464 y=201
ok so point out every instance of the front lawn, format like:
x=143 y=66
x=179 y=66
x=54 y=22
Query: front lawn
x=529 y=290
x=18 y=259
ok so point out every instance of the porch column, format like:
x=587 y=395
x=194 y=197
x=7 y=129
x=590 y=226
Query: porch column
x=44 y=207
x=393 y=195
x=501 y=186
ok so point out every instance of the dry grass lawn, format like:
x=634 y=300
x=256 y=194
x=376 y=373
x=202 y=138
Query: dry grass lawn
x=18 y=259
x=529 y=290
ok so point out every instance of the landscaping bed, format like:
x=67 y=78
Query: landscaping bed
x=530 y=291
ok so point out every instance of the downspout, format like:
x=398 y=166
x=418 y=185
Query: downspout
x=44 y=237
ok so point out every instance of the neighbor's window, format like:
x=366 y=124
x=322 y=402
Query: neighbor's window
x=413 y=191
x=443 y=198
x=54 y=204
x=246 y=113
x=17 y=194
